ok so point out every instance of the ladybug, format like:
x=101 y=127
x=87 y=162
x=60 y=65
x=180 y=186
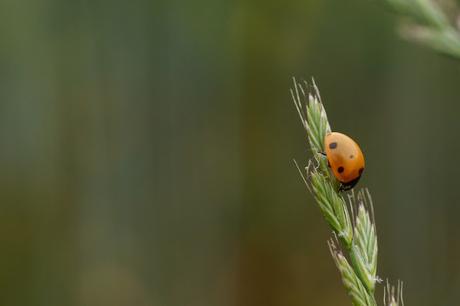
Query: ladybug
x=345 y=158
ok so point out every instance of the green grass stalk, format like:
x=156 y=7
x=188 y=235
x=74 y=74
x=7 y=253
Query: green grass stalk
x=354 y=245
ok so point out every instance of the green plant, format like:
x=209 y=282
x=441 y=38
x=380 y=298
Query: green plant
x=393 y=296
x=350 y=215
x=427 y=22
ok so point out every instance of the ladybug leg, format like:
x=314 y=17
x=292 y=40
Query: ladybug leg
x=323 y=155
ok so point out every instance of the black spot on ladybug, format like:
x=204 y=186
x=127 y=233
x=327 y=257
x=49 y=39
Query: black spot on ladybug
x=352 y=156
x=361 y=171
x=340 y=169
x=333 y=145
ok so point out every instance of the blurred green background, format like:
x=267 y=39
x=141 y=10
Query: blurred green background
x=146 y=152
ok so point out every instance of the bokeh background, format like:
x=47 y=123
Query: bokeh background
x=146 y=152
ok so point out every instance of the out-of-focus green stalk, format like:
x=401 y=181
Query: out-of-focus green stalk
x=428 y=24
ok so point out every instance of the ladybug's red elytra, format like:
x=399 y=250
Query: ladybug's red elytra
x=345 y=158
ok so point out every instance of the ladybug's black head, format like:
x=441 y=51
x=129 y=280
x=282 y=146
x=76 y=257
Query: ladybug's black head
x=349 y=185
